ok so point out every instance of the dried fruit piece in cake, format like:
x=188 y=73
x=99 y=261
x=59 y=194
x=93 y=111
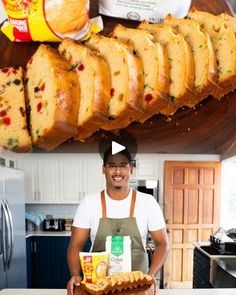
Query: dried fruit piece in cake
x=224 y=44
x=155 y=67
x=53 y=98
x=126 y=91
x=14 y=134
x=94 y=78
x=180 y=61
x=203 y=55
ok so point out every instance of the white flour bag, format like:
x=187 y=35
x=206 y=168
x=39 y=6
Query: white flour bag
x=151 y=10
x=119 y=249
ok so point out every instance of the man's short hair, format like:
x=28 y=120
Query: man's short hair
x=108 y=152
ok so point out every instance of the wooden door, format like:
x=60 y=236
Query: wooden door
x=191 y=208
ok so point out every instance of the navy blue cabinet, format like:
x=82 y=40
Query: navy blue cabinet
x=47 y=262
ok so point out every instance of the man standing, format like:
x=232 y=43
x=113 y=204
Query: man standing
x=118 y=210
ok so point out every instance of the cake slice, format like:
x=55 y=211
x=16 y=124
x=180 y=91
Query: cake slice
x=52 y=89
x=180 y=61
x=126 y=91
x=224 y=43
x=94 y=289
x=230 y=20
x=203 y=54
x=155 y=67
x=14 y=134
x=94 y=78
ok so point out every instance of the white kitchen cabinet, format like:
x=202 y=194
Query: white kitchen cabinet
x=48 y=181
x=93 y=176
x=70 y=179
x=29 y=165
x=41 y=178
x=146 y=167
x=61 y=178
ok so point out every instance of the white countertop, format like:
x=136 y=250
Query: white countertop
x=48 y=234
x=160 y=292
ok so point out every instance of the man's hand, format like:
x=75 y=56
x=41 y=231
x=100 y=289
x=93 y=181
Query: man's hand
x=73 y=282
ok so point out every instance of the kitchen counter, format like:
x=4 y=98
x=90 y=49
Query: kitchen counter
x=48 y=234
x=149 y=247
x=160 y=292
x=222 y=271
x=198 y=245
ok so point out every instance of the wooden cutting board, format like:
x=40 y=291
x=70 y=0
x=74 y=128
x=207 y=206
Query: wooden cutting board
x=148 y=290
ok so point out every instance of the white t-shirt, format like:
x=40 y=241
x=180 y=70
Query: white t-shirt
x=147 y=211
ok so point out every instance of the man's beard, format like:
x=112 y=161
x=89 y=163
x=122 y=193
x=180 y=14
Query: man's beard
x=118 y=187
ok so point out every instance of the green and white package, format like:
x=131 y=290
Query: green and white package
x=119 y=248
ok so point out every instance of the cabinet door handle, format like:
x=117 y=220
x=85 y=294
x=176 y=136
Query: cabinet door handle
x=35 y=196
x=167 y=230
x=35 y=247
x=31 y=247
x=39 y=196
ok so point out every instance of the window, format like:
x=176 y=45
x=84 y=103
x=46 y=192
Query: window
x=228 y=196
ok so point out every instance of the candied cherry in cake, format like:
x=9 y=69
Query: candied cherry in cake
x=6 y=121
x=39 y=106
x=148 y=97
x=3 y=113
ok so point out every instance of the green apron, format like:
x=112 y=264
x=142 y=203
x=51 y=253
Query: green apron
x=122 y=227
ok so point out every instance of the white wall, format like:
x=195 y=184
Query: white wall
x=227 y=211
x=57 y=210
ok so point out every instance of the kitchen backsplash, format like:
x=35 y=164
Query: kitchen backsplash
x=58 y=211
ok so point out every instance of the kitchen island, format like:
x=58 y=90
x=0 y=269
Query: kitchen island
x=160 y=292
x=212 y=269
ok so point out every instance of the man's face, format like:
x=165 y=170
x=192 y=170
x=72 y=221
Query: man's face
x=117 y=171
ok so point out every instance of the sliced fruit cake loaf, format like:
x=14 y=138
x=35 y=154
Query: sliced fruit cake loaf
x=14 y=134
x=126 y=93
x=224 y=44
x=155 y=67
x=203 y=54
x=180 y=61
x=53 y=93
x=94 y=77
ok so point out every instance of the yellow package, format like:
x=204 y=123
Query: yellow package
x=94 y=266
x=47 y=20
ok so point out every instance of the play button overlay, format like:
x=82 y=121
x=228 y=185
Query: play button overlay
x=116 y=147
x=118 y=141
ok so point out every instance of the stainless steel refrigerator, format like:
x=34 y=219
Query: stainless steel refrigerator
x=12 y=229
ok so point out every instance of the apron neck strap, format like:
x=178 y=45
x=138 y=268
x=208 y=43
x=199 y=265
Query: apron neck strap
x=104 y=207
x=131 y=213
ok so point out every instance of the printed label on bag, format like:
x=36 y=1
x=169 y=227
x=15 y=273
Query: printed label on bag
x=152 y=11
